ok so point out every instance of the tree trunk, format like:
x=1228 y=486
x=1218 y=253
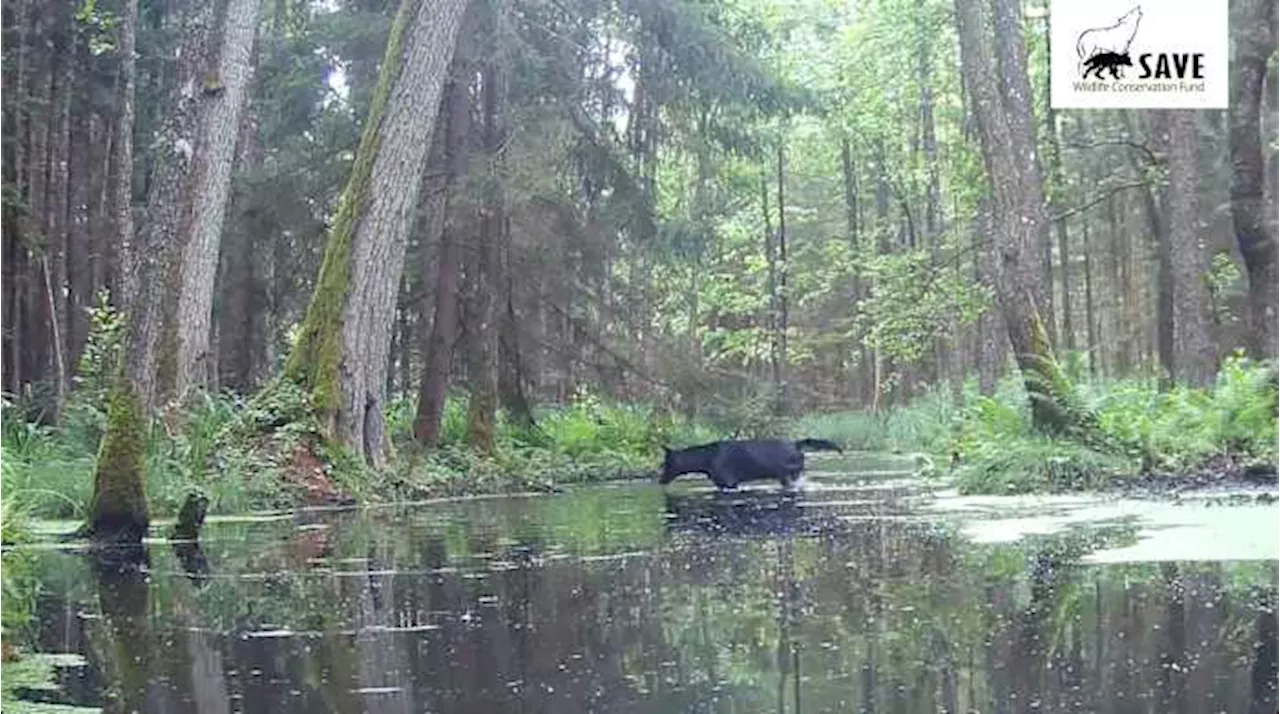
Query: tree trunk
x=1154 y=205
x=16 y=26
x=444 y=326
x=849 y=170
x=118 y=510
x=482 y=273
x=165 y=228
x=1195 y=352
x=79 y=244
x=226 y=93
x=781 y=406
x=511 y=370
x=943 y=344
x=342 y=346
x=1255 y=234
x=771 y=260
x=122 y=158
x=1018 y=101
x=1122 y=332
x=1093 y=347
x=54 y=263
x=1057 y=189
x=36 y=338
x=991 y=335
x=1017 y=210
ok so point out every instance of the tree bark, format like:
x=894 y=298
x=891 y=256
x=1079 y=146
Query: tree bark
x=118 y=509
x=54 y=258
x=1195 y=351
x=862 y=383
x=80 y=288
x=1017 y=210
x=482 y=275
x=1155 y=206
x=36 y=341
x=121 y=199
x=771 y=261
x=165 y=228
x=991 y=334
x=784 y=316
x=341 y=353
x=226 y=93
x=1018 y=100
x=1057 y=188
x=1093 y=347
x=1256 y=235
x=444 y=326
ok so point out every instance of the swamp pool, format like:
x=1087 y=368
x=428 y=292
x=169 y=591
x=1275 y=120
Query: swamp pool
x=870 y=591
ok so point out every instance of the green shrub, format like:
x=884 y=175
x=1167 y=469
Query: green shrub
x=1141 y=430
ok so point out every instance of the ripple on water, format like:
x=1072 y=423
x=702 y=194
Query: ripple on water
x=864 y=591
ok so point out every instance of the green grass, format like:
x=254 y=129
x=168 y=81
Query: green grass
x=922 y=425
x=587 y=440
x=221 y=446
x=989 y=446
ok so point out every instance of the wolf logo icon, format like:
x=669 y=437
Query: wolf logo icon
x=1107 y=48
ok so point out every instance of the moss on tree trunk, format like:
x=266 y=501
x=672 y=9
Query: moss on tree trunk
x=341 y=355
x=1018 y=223
x=118 y=511
x=317 y=356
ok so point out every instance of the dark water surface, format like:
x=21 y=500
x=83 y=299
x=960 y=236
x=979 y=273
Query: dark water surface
x=623 y=598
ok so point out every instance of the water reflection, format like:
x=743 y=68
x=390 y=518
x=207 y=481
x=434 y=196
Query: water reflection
x=626 y=599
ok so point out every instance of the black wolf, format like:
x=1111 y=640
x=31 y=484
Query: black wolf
x=1106 y=61
x=729 y=463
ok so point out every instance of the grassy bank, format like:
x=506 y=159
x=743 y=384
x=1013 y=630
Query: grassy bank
x=47 y=471
x=988 y=445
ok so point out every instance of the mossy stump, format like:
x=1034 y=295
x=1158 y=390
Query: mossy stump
x=190 y=517
x=118 y=511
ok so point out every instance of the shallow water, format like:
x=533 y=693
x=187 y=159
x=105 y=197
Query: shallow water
x=863 y=593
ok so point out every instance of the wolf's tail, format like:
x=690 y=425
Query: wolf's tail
x=818 y=445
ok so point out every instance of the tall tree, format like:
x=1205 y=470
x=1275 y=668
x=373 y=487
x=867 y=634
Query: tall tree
x=1057 y=187
x=122 y=155
x=1018 y=236
x=118 y=509
x=444 y=326
x=1256 y=234
x=342 y=347
x=1018 y=102
x=1195 y=353
x=226 y=87
x=483 y=272
x=784 y=313
x=163 y=233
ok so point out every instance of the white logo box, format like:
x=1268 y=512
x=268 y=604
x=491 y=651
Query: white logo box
x=1160 y=40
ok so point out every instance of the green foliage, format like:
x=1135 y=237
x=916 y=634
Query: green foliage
x=20 y=585
x=1000 y=452
x=1139 y=429
x=37 y=672
x=99 y=26
x=923 y=425
x=912 y=304
x=102 y=349
x=586 y=440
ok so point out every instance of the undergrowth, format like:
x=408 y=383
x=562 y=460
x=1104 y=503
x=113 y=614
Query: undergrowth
x=989 y=445
x=246 y=454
